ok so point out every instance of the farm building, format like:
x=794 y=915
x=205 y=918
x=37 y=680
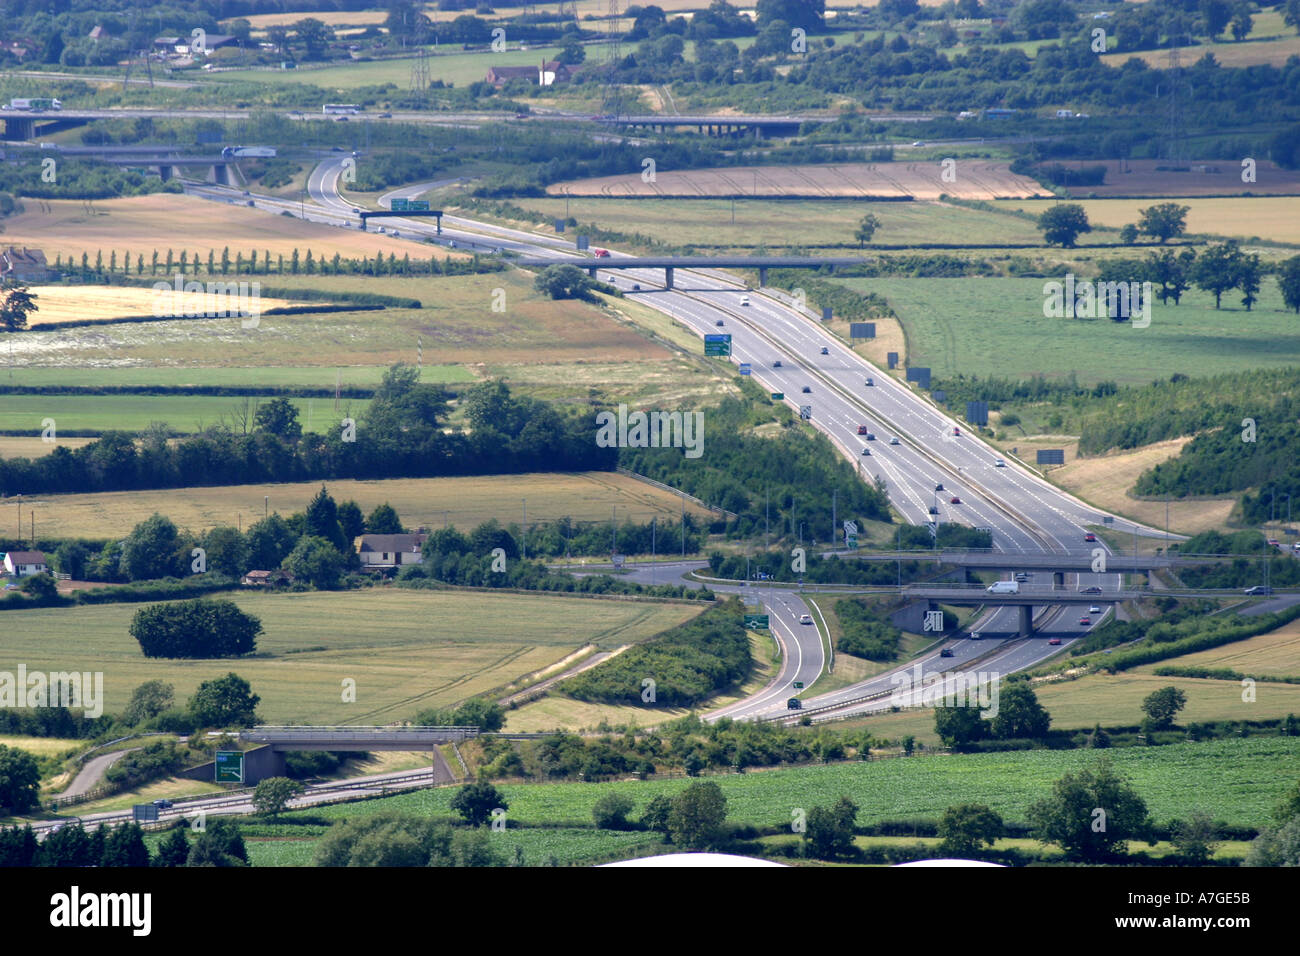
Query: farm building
x=22 y=563
x=24 y=265
x=390 y=550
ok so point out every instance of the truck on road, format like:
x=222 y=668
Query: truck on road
x=1004 y=587
x=35 y=104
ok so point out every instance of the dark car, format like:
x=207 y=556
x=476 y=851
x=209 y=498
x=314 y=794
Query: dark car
x=385 y=115
x=1091 y=590
x=825 y=350
x=776 y=364
x=636 y=287
x=807 y=389
x=933 y=510
x=954 y=500
x=866 y=451
x=871 y=436
x=939 y=486
x=719 y=322
x=871 y=381
x=862 y=429
x=794 y=703
x=946 y=652
x=1085 y=620
x=1259 y=589
x=162 y=803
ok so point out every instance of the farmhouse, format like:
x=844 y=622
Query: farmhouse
x=260 y=579
x=548 y=74
x=22 y=563
x=24 y=265
x=390 y=550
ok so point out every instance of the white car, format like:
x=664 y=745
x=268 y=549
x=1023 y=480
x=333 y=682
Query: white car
x=744 y=300
x=805 y=618
x=1094 y=610
x=999 y=463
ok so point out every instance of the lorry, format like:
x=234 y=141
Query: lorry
x=35 y=104
x=247 y=152
x=1004 y=587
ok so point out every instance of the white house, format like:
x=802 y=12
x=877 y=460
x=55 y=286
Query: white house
x=390 y=550
x=22 y=563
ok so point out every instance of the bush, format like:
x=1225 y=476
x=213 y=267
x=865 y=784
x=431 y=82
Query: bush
x=195 y=629
x=611 y=810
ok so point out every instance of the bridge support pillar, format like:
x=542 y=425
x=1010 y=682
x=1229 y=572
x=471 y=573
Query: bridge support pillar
x=165 y=172
x=19 y=128
x=762 y=276
x=221 y=174
x=1026 y=621
x=668 y=277
x=1058 y=579
x=592 y=272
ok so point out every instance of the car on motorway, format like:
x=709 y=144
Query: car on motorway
x=385 y=115
x=807 y=389
x=939 y=486
x=1054 y=641
x=744 y=300
x=946 y=652
x=776 y=364
x=452 y=244
x=871 y=382
x=805 y=618
x=1090 y=590
x=1094 y=610
x=999 y=463
x=976 y=636
x=866 y=451
x=719 y=322
x=249 y=202
x=825 y=350
x=340 y=119
x=956 y=430
x=1274 y=543
x=1089 y=537
x=954 y=500
x=933 y=510
x=336 y=149
x=600 y=253
x=247 y=193
x=919 y=142
x=1085 y=620
x=636 y=286
x=862 y=429
x=871 y=436
x=893 y=439
x=1259 y=589
x=794 y=703
x=162 y=803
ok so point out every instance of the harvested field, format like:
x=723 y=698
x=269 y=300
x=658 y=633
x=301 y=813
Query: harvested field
x=140 y=224
x=421 y=502
x=976 y=179
x=1201 y=177
x=58 y=304
x=1266 y=217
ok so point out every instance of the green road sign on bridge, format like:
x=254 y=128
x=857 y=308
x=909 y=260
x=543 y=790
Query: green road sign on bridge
x=409 y=205
x=230 y=766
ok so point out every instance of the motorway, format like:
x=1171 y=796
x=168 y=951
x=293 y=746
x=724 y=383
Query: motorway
x=1026 y=514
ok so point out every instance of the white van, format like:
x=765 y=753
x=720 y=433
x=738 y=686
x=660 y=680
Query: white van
x=1004 y=587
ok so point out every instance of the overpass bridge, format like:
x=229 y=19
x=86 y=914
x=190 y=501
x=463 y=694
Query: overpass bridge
x=165 y=160
x=283 y=739
x=716 y=125
x=671 y=263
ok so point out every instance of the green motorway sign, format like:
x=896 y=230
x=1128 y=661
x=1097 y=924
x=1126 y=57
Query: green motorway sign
x=717 y=345
x=798 y=685
x=778 y=396
x=757 y=620
x=230 y=766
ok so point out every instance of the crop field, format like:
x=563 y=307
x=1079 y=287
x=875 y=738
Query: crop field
x=976 y=179
x=353 y=376
x=456 y=327
x=183 y=413
x=75 y=303
x=1116 y=701
x=1275 y=218
x=706 y=223
x=1202 y=177
x=1276 y=654
x=12 y=446
x=421 y=502
x=137 y=225
x=996 y=327
x=407 y=650
x=1236 y=781
x=1274 y=51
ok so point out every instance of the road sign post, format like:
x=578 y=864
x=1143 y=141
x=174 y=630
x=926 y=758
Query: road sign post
x=719 y=345
x=229 y=766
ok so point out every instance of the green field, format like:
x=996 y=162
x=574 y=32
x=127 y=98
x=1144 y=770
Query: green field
x=1237 y=782
x=182 y=413
x=277 y=376
x=777 y=225
x=997 y=327
x=407 y=650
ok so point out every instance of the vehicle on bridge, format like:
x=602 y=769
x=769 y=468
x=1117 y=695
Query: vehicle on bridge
x=1004 y=587
x=871 y=381
x=35 y=104
x=600 y=253
x=1090 y=590
x=334 y=109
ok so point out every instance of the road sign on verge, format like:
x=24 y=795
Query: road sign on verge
x=144 y=813
x=798 y=685
x=778 y=396
x=717 y=345
x=757 y=621
x=745 y=368
x=805 y=412
x=229 y=766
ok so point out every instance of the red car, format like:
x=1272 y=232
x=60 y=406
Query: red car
x=1089 y=537
x=600 y=253
x=955 y=500
x=862 y=429
x=1055 y=640
x=1085 y=620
